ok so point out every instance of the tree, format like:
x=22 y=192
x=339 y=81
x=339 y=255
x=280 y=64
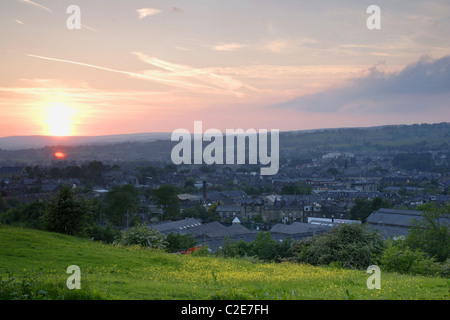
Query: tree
x=264 y=246
x=120 y=202
x=66 y=213
x=431 y=234
x=364 y=207
x=166 y=197
x=361 y=209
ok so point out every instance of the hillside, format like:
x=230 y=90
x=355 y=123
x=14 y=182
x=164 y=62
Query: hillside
x=110 y=272
x=293 y=144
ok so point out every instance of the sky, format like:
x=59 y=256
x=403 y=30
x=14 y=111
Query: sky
x=157 y=66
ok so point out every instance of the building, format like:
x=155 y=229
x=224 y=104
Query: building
x=11 y=172
x=296 y=230
x=393 y=223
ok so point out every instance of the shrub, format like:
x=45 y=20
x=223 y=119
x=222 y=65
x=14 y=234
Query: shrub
x=351 y=245
x=202 y=252
x=398 y=257
x=431 y=234
x=106 y=234
x=177 y=242
x=143 y=236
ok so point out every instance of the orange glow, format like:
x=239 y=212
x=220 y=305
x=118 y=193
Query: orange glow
x=59 y=155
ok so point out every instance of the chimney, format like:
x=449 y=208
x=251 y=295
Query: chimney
x=204 y=190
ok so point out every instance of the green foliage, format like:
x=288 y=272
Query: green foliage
x=105 y=234
x=66 y=213
x=263 y=247
x=351 y=245
x=124 y=273
x=432 y=233
x=120 y=201
x=233 y=249
x=27 y=215
x=202 y=252
x=26 y=289
x=362 y=208
x=177 y=242
x=166 y=197
x=143 y=236
x=398 y=257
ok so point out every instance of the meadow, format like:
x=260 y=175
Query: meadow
x=33 y=264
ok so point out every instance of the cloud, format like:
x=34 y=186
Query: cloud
x=37 y=5
x=227 y=46
x=424 y=85
x=202 y=80
x=277 y=46
x=145 y=12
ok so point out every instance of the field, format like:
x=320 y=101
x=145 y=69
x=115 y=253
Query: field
x=38 y=261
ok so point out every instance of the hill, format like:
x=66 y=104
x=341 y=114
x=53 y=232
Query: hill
x=293 y=144
x=128 y=273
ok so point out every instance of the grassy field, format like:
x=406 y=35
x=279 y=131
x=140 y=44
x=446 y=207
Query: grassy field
x=110 y=272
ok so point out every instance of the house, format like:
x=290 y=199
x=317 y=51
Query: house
x=228 y=211
x=11 y=172
x=189 y=200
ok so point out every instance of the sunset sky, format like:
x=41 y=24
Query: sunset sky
x=155 y=66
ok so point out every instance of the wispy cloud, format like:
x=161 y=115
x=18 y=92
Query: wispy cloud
x=19 y=22
x=233 y=46
x=201 y=80
x=145 y=12
x=128 y=73
x=37 y=5
x=200 y=77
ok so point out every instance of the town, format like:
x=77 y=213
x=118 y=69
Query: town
x=210 y=202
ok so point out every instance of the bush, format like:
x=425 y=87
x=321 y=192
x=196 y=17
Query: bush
x=106 y=234
x=143 y=236
x=263 y=247
x=350 y=245
x=398 y=257
x=431 y=234
x=177 y=242
x=202 y=252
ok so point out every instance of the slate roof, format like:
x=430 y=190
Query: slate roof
x=229 y=208
x=180 y=226
x=389 y=231
x=297 y=228
x=394 y=217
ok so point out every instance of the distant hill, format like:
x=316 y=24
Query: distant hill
x=32 y=142
x=293 y=144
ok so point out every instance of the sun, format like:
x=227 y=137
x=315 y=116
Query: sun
x=59 y=119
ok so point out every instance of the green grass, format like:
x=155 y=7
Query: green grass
x=128 y=273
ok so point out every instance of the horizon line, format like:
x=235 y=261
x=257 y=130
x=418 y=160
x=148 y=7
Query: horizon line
x=169 y=132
